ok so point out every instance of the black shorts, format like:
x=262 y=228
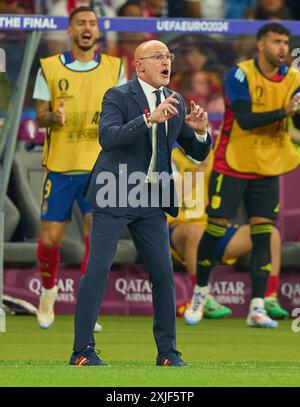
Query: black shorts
x=226 y=193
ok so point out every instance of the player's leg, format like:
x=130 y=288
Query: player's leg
x=227 y=253
x=48 y=254
x=185 y=239
x=261 y=200
x=225 y=194
x=272 y=305
x=56 y=206
x=240 y=245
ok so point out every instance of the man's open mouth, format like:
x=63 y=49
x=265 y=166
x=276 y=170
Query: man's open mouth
x=86 y=36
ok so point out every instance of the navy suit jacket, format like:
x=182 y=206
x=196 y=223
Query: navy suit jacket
x=125 y=138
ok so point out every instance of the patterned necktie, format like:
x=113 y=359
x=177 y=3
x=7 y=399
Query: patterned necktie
x=162 y=153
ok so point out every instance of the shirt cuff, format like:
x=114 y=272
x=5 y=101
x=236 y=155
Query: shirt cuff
x=201 y=137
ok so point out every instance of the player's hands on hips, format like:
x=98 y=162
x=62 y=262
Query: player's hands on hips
x=60 y=115
x=197 y=119
x=294 y=105
x=165 y=111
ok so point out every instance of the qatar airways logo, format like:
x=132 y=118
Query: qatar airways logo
x=66 y=291
x=292 y=292
x=228 y=292
x=135 y=289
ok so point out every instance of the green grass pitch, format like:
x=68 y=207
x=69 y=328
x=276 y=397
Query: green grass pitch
x=220 y=352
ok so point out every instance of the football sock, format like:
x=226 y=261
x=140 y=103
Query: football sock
x=201 y=293
x=256 y=303
x=193 y=279
x=260 y=265
x=48 y=261
x=272 y=287
x=207 y=252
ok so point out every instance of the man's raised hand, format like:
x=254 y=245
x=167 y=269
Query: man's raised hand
x=293 y=106
x=197 y=119
x=165 y=110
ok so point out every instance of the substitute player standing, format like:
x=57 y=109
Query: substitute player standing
x=69 y=90
x=253 y=149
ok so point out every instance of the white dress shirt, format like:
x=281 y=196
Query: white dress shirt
x=151 y=99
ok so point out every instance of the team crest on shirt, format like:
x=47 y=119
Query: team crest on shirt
x=63 y=86
x=259 y=90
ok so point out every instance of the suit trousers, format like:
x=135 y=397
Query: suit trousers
x=149 y=231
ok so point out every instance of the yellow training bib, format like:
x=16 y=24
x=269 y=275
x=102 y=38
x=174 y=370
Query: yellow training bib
x=265 y=150
x=75 y=146
x=194 y=200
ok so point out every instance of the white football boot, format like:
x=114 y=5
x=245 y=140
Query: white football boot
x=45 y=312
x=194 y=312
x=258 y=317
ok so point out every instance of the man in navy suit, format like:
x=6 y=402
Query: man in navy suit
x=140 y=121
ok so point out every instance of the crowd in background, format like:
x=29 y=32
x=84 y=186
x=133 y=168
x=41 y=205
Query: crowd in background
x=258 y=9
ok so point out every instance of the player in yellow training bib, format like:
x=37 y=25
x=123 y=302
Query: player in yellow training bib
x=252 y=150
x=69 y=90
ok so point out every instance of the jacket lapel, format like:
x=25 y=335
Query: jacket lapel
x=139 y=95
x=141 y=100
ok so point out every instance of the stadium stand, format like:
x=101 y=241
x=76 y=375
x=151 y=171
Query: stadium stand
x=15 y=252
x=12 y=219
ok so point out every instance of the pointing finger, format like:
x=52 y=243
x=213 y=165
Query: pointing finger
x=172 y=99
x=192 y=105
